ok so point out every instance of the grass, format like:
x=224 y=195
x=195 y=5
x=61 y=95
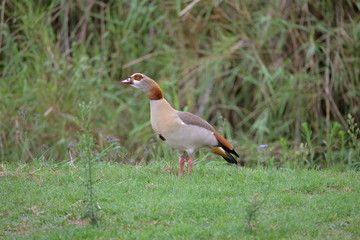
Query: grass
x=45 y=201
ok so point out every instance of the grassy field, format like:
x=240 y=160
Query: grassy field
x=41 y=201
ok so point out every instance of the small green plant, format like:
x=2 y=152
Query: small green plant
x=332 y=140
x=257 y=202
x=251 y=211
x=285 y=156
x=354 y=148
x=28 y=126
x=264 y=156
x=86 y=153
x=87 y=146
x=307 y=134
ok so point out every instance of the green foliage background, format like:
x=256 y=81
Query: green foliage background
x=257 y=70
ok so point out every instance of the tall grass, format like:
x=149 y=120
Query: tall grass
x=257 y=69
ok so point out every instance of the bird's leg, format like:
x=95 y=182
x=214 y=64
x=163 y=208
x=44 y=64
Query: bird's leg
x=182 y=163
x=190 y=163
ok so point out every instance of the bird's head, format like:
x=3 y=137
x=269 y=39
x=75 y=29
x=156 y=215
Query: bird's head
x=135 y=80
x=146 y=84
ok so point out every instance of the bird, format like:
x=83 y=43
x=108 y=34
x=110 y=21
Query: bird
x=183 y=131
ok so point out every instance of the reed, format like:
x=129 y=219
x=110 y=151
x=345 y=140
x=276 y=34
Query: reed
x=257 y=69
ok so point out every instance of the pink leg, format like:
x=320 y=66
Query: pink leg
x=190 y=163
x=182 y=163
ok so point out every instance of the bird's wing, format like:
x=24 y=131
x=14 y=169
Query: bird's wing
x=192 y=119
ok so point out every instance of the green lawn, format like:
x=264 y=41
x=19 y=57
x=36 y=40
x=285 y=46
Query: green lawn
x=150 y=202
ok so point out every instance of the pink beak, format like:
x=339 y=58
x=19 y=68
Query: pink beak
x=127 y=81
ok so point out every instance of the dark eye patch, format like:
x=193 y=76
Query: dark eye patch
x=138 y=77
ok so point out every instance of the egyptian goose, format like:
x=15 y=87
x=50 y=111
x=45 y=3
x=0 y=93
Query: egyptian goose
x=183 y=131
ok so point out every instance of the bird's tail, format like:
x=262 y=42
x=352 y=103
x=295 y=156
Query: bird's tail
x=225 y=154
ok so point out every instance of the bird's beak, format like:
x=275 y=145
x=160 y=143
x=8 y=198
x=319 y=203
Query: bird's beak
x=127 y=81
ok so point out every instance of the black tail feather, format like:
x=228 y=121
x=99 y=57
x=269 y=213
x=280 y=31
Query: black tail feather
x=230 y=158
x=228 y=150
x=228 y=153
x=233 y=152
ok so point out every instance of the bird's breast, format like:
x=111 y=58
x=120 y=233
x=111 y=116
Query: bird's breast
x=167 y=124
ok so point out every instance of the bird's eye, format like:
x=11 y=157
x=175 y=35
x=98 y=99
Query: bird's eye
x=138 y=77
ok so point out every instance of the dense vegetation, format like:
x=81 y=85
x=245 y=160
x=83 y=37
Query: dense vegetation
x=283 y=73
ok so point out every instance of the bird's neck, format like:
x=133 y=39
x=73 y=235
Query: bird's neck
x=154 y=92
x=160 y=106
x=161 y=115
